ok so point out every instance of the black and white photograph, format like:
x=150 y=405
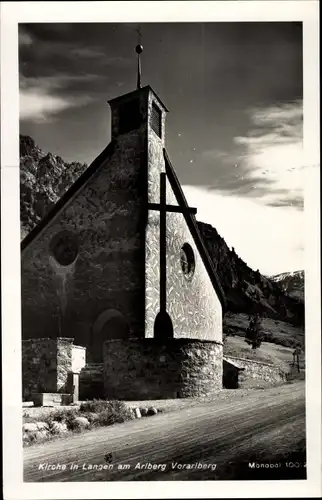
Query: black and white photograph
x=163 y=257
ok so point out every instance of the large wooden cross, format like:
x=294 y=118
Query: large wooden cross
x=163 y=208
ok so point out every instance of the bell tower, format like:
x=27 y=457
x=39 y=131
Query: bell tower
x=138 y=110
x=119 y=264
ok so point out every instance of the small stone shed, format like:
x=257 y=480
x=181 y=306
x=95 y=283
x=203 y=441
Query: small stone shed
x=231 y=371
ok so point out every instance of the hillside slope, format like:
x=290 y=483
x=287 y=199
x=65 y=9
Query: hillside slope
x=248 y=291
x=45 y=177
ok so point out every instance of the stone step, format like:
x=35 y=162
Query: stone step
x=51 y=399
x=27 y=404
x=93 y=367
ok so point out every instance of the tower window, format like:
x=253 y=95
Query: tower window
x=130 y=116
x=156 y=119
x=187 y=260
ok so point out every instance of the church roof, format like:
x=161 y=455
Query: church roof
x=234 y=363
x=70 y=193
x=130 y=95
x=192 y=224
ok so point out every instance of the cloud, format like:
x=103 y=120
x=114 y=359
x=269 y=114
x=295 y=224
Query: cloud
x=25 y=38
x=38 y=106
x=98 y=53
x=58 y=71
x=55 y=82
x=40 y=100
x=255 y=200
x=272 y=154
x=87 y=52
x=266 y=238
x=68 y=48
x=264 y=163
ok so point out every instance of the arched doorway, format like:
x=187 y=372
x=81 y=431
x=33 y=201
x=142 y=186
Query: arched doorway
x=163 y=328
x=109 y=325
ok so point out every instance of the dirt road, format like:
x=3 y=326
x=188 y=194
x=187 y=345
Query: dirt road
x=202 y=442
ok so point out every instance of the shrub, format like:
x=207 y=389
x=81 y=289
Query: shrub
x=118 y=412
x=28 y=419
x=58 y=416
x=91 y=417
x=71 y=421
x=95 y=406
x=29 y=438
x=108 y=412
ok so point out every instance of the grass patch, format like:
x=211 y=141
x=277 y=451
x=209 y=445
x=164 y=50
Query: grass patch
x=246 y=352
x=295 y=376
x=274 y=331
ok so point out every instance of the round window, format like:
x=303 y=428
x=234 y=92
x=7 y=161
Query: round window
x=187 y=259
x=64 y=248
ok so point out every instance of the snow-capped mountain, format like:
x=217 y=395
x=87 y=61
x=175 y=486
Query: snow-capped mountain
x=292 y=283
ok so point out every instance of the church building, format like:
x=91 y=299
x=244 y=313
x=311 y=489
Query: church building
x=118 y=269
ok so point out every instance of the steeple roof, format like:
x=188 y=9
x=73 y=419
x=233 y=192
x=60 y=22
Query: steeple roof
x=129 y=95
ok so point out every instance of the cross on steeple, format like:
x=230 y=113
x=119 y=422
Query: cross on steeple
x=138 y=30
x=139 y=50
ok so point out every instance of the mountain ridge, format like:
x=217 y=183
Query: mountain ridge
x=44 y=178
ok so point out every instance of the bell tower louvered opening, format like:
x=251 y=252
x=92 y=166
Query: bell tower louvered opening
x=156 y=119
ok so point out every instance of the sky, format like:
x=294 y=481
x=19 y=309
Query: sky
x=233 y=132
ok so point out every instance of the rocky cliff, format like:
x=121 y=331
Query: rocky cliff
x=45 y=177
x=43 y=180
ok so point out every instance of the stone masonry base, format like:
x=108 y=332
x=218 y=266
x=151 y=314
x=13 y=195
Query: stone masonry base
x=139 y=369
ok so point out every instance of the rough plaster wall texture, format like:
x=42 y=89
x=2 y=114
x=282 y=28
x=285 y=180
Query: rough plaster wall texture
x=109 y=269
x=148 y=369
x=64 y=362
x=193 y=305
x=259 y=371
x=39 y=366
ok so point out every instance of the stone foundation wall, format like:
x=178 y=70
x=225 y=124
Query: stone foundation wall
x=257 y=370
x=46 y=364
x=149 y=369
x=39 y=366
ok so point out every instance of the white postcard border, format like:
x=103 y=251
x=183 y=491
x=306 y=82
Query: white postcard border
x=13 y=13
